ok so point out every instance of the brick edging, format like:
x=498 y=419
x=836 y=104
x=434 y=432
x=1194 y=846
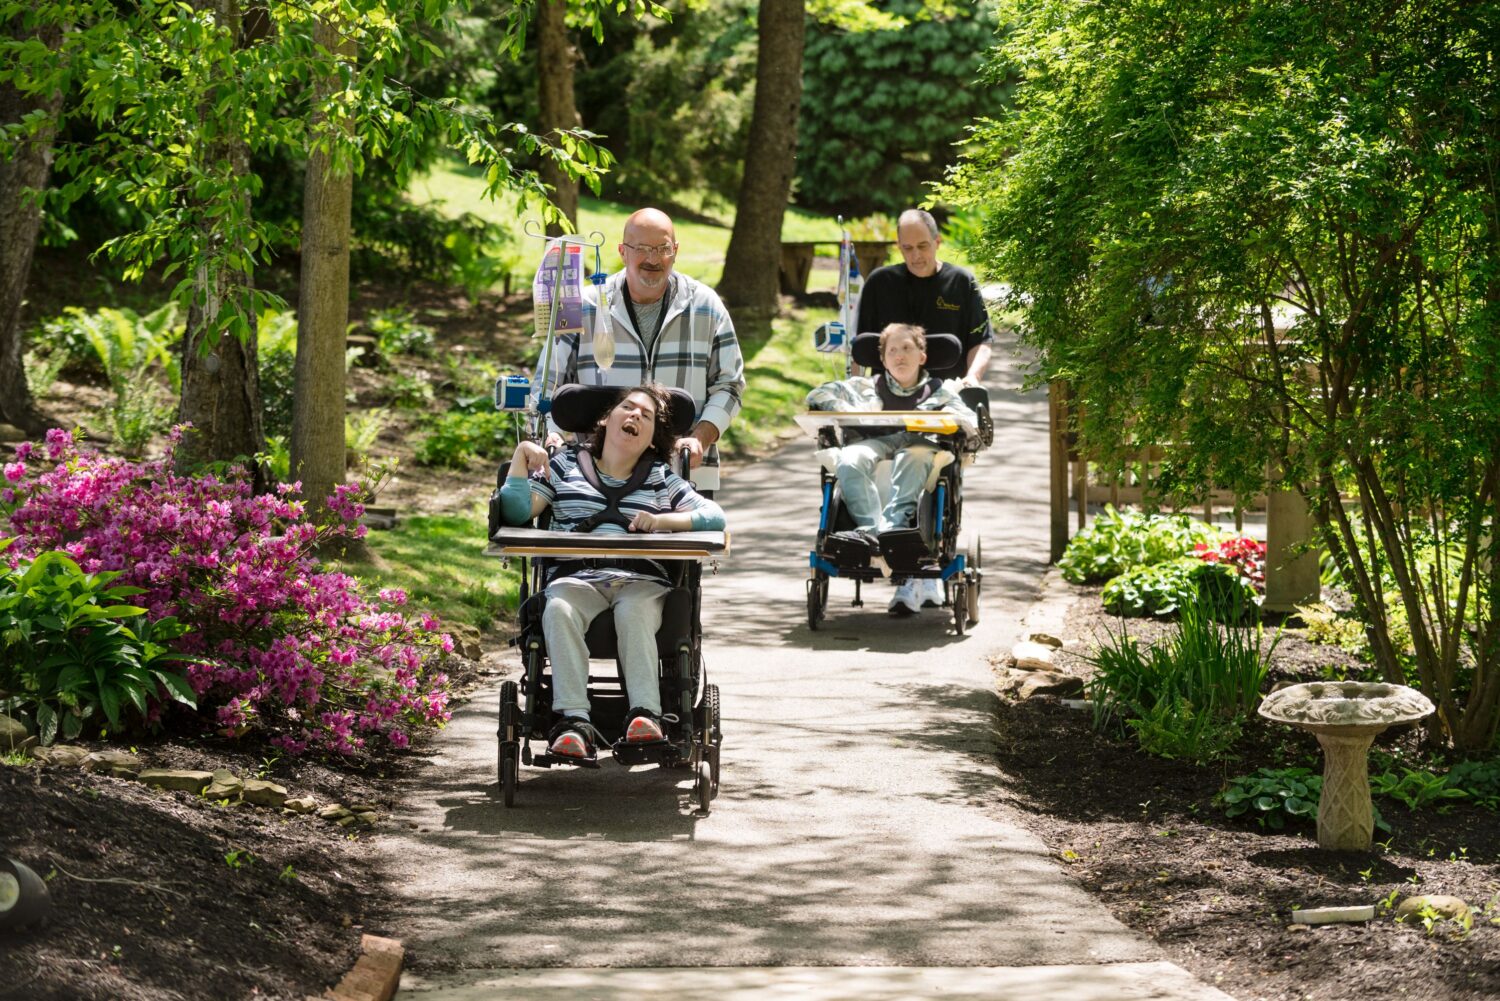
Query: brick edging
x=375 y=975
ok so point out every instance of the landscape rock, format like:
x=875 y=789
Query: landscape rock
x=12 y=733
x=1031 y=656
x=120 y=764
x=1008 y=680
x=301 y=804
x=263 y=793
x=225 y=785
x=465 y=639
x=1046 y=639
x=11 y=433
x=334 y=811
x=1352 y=914
x=178 y=779
x=63 y=755
x=1050 y=683
x=1451 y=908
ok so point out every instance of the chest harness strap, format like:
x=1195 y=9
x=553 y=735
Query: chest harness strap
x=610 y=514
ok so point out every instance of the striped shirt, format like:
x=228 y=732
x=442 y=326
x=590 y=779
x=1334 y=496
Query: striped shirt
x=696 y=350
x=574 y=500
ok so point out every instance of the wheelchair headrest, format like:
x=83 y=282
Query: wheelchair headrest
x=578 y=408
x=944 y=352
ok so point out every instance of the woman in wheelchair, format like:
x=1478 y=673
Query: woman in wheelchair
x=628 y=451
x=902 y=385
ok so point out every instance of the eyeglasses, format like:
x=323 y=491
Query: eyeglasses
x=665 y=251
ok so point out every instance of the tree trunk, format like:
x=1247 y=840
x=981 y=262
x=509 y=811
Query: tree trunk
x=22 y=175
x=318 y=455
x=555 y=59
x=749 y=285
x=220 y=377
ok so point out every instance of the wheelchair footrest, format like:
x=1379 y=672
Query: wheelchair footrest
x=545 y=760
x=664 y=753
x=904 y=549
x=845 y=552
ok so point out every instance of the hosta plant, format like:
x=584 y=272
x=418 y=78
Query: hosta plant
x=73 y=649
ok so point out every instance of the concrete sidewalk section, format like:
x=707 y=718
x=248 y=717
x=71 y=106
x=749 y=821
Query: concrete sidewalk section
x=1114 y=982
x=859 y=844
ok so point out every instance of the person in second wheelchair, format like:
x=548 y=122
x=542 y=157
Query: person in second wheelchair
x=900 y=383
x=617 y=481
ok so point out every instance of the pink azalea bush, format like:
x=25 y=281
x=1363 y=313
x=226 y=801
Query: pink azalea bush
x=286 y=647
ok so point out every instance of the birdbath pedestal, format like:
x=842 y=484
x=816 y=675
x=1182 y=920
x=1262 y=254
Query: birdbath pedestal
x=1346 y=717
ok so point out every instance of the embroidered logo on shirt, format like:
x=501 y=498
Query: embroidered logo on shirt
x=945 y=304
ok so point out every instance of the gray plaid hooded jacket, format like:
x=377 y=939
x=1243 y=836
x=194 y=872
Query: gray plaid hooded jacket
x=696 y=350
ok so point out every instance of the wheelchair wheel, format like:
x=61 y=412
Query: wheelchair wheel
x=704 y=787
x=510 y=737
x=715 y=735
x=817 y=598
x=975 y=578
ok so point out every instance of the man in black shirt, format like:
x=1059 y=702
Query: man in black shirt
x=940 y=298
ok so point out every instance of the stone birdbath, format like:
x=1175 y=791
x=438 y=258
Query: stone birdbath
x=1346 y=717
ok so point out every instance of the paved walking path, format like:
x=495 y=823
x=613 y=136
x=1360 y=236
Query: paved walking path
x=857 y=848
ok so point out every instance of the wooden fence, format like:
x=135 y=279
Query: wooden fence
x=1291 y=565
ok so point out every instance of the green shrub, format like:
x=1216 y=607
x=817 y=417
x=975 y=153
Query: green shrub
x=1187 y=696
x=1415 y=787
x=1175 y=728
x=1275 y=797
x=1117 y=541
x=71 y=647
x=362 y=431
x=276 y=343
x=1479 y=780
x=1164 y=588
x=398 y=332
x=1323 y=624
x=410 y=392
x=455 y=439
x=137 y=356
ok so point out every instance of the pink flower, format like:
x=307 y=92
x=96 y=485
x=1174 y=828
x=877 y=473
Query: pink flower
x=14 y=471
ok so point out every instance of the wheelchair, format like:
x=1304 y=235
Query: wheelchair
x=694 y=739
x=935 y=548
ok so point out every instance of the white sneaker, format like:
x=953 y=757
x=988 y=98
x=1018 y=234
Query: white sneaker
x=930 y=592
x=904 y=602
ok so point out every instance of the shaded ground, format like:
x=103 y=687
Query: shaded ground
x=1141 y=834
x=167 y=896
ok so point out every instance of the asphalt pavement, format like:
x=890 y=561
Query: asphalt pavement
x=859 y=847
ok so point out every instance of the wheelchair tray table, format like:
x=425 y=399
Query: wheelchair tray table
x=921 y=421
x=653 y=545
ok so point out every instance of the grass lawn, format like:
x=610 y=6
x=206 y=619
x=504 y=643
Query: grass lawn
x=435 y=560
x=458 y=189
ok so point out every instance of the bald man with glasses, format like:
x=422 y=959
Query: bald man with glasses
x=668 y=328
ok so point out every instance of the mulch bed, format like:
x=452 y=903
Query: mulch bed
x=1140 y=833
x=166 y=896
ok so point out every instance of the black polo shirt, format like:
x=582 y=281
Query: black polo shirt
x=947 y=302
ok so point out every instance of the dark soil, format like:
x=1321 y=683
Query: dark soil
x=1141 y=834
x=167 y=896
x=150 y=901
